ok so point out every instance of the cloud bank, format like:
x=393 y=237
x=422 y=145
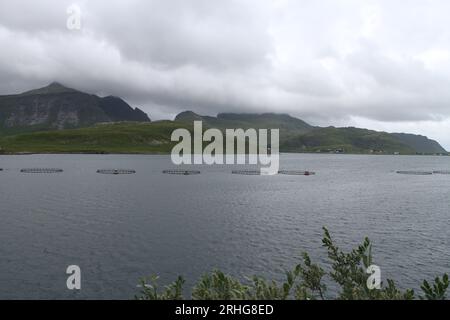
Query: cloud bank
x=379 y=64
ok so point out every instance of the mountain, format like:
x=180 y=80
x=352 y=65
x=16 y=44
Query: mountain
x=298 y=136
x=420 y=144
x=154 y=137
x=349 y=140
x=74 y=121
x=118 y=110
x=58 y=107
x=289 y=126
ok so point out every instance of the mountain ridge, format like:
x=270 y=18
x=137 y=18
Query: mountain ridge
x=301 y=136
x=420 y=142
x=52 y=88
x=73 y=113
x=58 y=107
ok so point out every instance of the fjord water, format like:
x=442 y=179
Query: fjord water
x=121 y=228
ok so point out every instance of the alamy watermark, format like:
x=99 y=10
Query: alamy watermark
x=74 y=280
x=74 y=17
x=374 y=280
x=249 y=146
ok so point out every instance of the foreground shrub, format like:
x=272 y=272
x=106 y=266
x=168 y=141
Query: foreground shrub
x=304 y=282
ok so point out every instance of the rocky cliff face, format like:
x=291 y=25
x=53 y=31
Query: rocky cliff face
x=58 y=107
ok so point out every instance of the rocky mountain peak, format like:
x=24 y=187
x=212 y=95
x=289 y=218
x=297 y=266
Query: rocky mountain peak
x=52 y=88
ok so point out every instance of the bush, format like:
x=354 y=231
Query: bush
x=304 y=282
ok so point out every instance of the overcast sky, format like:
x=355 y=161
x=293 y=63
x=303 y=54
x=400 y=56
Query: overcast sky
x=383 y=65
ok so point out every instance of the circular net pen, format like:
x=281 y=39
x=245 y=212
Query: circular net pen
x=182 y=172
x=416 y=173
x=247 y=172
x=41 y=170
x=296 y=173
x=116 y=171
x=441 y=172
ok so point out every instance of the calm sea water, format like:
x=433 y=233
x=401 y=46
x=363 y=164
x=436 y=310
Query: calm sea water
x=121 y=228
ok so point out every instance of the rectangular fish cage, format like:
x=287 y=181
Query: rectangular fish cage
x=182 y=172
x=417 y=173
x=41 y=170
x=296 y=173
x=441 y=172
x=247 y=172
x=116 y=171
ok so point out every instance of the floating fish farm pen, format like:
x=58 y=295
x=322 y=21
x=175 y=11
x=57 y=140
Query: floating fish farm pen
x=182 y=172
x=297 y=173
x=41 y=170
x=441 y=172
x=417 y=173
x=247 y=172
x=116 y=171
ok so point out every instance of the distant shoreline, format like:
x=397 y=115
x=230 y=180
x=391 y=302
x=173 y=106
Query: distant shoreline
x=166 y=153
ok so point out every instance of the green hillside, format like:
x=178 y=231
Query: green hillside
x=132 y=137
x=348 y=140
x=420 y=143
x=104 y=138
x=57 y=119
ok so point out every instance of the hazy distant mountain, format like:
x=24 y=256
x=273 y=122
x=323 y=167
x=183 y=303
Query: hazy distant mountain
x=289 y=126
x=351 y=140
x=59 y=107
x=298 y=136
x=420 y=143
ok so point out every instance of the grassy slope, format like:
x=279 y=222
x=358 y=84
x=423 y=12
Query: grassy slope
x=155 y=138
x=104 y=138
x=352 y=140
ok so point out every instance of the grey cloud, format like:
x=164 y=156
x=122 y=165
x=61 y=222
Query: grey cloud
x=170 y=34
x=324 y=61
